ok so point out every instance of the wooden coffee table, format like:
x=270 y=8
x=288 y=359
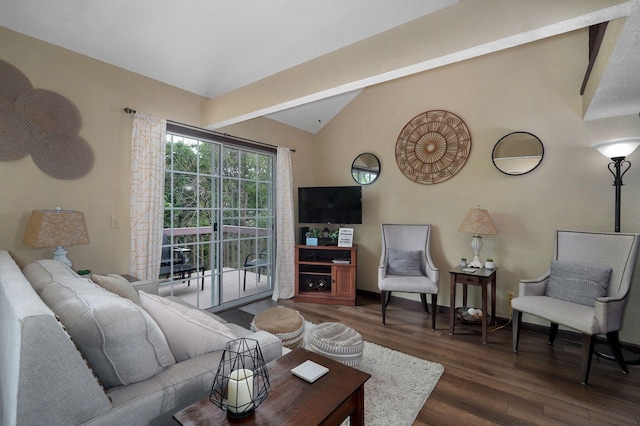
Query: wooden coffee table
x=292 y=401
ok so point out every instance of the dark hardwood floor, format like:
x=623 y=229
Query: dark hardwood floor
x=488 y=384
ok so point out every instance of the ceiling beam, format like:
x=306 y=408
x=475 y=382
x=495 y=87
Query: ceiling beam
x=465 y=30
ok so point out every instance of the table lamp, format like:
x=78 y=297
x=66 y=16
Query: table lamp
x=477 y=222
x=56 y=228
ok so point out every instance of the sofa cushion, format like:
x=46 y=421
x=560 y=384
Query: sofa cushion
x=119 y=339
x=400 y=262
x=117 y=284
x=189 y=331
x=41 y=273
x=577 y=283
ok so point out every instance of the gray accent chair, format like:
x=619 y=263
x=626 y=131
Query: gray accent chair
x=615 y=250
x=408 y=238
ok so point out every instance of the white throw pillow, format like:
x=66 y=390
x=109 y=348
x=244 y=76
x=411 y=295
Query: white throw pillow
x=117 y=284
x=189 y=331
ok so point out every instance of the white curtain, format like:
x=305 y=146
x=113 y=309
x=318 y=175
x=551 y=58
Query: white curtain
x=285 y=235
x=147 y=195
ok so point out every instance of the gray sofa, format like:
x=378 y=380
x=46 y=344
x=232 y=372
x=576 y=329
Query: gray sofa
x=45 y=379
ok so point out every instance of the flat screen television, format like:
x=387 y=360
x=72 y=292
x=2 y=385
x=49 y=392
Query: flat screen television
x=330 y=204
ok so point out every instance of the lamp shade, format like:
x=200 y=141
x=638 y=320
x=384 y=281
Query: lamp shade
x=620 y=147
x=52 y=228
x=478 y=221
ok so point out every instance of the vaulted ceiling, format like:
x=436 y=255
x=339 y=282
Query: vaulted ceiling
x=302 y=61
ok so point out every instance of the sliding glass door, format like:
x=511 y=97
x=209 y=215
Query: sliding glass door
x=219 y=220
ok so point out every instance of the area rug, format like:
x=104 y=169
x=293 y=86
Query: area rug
x=399 y=385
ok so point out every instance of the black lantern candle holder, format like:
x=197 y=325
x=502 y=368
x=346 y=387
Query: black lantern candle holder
x=242 y=380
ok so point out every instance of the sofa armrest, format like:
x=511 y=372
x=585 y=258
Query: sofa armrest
x=270 y=345
x=148 y=286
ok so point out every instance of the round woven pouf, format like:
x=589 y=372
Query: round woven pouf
x=336 y=341
x=284 y=323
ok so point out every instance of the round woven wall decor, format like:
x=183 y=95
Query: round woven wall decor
x=63 y=155
x=18 y=135
x=49 y=110
x=6 y=102
x=433 y=147
x=12 y=81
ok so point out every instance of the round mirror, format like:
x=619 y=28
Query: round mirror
x=518 y=153
x=365 y=169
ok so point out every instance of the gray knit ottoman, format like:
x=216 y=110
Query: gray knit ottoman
x=336 y=341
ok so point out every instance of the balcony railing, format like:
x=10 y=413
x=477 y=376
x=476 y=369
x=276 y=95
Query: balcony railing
x=237 y=242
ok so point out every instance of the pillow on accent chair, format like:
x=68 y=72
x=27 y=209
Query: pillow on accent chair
x=117 y=284
x=577 y=283
x=189 y=331
x=400 y=262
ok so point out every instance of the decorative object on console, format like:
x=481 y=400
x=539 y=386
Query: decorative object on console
x=56 y=228
x=617 y=150
x=433 y=147
x=489 y=264
x=241 y=383
x=345 y=237
x=477 y=222
x=517 y=153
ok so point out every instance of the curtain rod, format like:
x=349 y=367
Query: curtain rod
x=133 y=111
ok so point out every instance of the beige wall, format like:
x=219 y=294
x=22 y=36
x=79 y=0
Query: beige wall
x=532 y=88
x=100 y=92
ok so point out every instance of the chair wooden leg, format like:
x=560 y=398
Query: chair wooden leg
x=553 y=332
x=516 y=320
x=588 y=343
x=244 y=286
x=423 y=299
x=384 y=301
x=614 y=343
x=434 y=310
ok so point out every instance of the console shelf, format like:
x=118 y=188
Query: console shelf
x=326 y=274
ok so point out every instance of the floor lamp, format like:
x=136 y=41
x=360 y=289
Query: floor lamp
x=617 y=150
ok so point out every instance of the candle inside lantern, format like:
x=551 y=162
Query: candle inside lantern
x=240 y=391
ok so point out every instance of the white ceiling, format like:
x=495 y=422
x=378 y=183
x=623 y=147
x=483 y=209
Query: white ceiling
x=212 y=47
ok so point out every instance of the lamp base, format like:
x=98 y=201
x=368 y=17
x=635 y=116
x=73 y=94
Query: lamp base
x=604 y=351
x=476 y=245
x=240 y=415
x=60 y=254
x=475 y=263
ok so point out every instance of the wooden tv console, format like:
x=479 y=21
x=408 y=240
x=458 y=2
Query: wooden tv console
x=326 y=274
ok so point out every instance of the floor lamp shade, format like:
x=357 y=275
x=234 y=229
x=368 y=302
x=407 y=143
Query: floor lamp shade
x=620 y=147
x=56 y=228
x=617 y=150
x=477 y=222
